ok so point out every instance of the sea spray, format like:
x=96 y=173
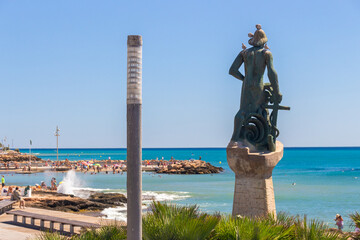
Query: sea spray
x=71 y=185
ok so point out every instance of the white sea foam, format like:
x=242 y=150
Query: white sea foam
x=93 y=189
x=119 y=213
x=146 y=195
x=164 y=196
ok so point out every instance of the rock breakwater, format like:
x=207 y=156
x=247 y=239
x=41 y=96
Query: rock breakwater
x=189 y=167
x=18 y=157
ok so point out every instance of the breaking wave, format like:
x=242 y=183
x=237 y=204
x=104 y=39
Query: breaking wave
x=119 y=213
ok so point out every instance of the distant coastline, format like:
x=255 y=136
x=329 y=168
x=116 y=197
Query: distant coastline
x=182 y=148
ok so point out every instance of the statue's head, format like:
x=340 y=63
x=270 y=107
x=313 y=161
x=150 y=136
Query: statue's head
x=259 y=38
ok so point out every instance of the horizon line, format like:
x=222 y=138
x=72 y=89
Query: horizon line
x=124 y=148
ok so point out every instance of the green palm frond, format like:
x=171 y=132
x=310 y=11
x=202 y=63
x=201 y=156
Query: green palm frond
x=172 y=222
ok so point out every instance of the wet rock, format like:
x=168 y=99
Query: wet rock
x=108 y=198
x=70 y=203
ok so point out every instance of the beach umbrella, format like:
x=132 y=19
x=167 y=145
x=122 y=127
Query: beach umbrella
x=97 y=165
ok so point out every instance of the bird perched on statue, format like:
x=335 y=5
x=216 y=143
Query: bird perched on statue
x=266 y=46
x=243 y=46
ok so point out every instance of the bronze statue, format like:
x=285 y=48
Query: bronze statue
x=253 y=126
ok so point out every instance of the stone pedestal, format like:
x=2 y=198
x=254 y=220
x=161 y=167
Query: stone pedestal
x=254 y=192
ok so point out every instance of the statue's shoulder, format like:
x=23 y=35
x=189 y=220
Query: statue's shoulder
x=267 y=54
x=242 y=54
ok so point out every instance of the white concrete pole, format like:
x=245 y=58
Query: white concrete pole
x=134 y=154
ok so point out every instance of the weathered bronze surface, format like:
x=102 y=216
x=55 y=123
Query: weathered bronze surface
x=253 y=125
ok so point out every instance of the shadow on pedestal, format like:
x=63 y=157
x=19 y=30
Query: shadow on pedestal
x=254 y=192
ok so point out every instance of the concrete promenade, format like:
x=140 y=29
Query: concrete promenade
x=11 y=231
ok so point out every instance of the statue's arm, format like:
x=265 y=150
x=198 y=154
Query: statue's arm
x=234 y=69
x=272 y=75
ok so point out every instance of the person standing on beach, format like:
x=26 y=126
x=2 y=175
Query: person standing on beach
x=55 y=185
x=3 y=181
x=339 y=221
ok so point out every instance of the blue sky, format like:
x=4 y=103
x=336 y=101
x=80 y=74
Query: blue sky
x=64 y=63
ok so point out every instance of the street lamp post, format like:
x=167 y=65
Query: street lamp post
x=134 y=155
x=57 y=142
x=30 y=154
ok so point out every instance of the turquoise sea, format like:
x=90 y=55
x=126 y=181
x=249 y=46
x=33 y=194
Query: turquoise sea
x=327 y=180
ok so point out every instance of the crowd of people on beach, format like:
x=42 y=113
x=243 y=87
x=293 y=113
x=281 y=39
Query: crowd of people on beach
x=84 y=165
x=10 y=164
x=53 y=185
x=93 y=168
x=15 y=194
x=108 y=166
